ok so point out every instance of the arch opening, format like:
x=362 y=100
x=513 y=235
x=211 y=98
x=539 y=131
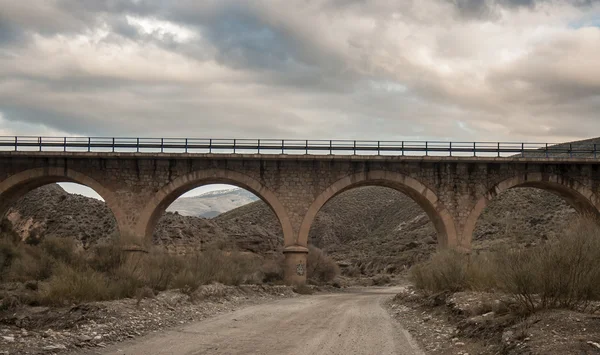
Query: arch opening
x=165 y=197
x=218 y=216
x=38 y=204
x=527 y=210
x=395 y=209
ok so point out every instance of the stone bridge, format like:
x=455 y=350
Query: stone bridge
x=453 y=191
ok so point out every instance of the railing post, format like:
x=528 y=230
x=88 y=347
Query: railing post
x=498 y=149
x=40 y=143
x=113 y=144
x=546 y=150
x=16 y=143
x=378 y=148
x=186 y=145
x=137 y=145
x=258 y=146
x=234 y=146
x=330 y=147
x=474 y=149
x=89 y=143
x=162 y=147
x=210 y=146
x=64 y=144
x=282 y=146
x=426 y=148
x=402 y=148
x=595 y=151
x=450 y=148
x=570 y=150
x=522 y=150
x=306 y=146
x=354 y=147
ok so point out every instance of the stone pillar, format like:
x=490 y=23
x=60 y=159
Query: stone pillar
x=294 y=272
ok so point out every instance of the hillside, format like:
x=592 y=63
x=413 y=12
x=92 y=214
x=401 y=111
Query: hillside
x=213 y=203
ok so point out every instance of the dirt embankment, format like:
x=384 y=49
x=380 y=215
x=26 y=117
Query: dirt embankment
x=478 y=323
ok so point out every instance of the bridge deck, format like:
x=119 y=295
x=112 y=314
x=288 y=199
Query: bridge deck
x=336 y=157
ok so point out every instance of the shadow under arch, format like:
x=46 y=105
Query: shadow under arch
x=421 y=194
x=170 y=192
x=16 y=186
x=580 y=197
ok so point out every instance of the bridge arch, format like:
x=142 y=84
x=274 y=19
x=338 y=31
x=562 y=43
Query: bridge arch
x=19 y=184
x=579 y=196
x=421 y=194
x=155 y=208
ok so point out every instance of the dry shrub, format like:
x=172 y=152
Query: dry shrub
x=303 y=290
x=444 y=271
x=320 y=267
x=29 y=263
x=562 y=273
x=272 y=270
x=106 y=257
x=61 y=249
x=159 y=269
x=107 y=272
x=213 y=265
x=352 y=271
x=381 y=280
x=69 y=285
x=8 y=253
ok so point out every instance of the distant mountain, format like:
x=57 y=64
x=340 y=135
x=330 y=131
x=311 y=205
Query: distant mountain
x=213 y=203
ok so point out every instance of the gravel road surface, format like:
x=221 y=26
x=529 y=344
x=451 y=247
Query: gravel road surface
x=348 y=323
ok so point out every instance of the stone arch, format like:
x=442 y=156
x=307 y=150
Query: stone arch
x=421 y=194
x=170 y=192
x=580 y=197
x=17 y=185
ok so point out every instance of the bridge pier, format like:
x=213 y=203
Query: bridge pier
x=294 y=271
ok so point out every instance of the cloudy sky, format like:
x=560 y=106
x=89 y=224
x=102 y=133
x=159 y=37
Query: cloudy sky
x=517 y=70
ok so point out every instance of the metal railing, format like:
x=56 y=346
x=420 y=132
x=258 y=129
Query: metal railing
x=296 y=146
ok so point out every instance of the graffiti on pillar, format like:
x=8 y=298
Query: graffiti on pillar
x=300 y=269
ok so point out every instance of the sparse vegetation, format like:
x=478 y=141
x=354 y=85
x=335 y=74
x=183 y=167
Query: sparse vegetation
x=320 y=267
x=63 y=273
x=562 y=273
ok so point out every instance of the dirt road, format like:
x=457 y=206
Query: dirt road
x=347 y=323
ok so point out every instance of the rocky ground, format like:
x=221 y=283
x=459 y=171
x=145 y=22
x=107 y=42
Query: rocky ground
x=477 y=323
x=43 y=330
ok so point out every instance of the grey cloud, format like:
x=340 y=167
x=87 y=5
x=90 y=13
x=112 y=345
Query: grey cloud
x=9 y=34
x=120 y=26
x=488 y=9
